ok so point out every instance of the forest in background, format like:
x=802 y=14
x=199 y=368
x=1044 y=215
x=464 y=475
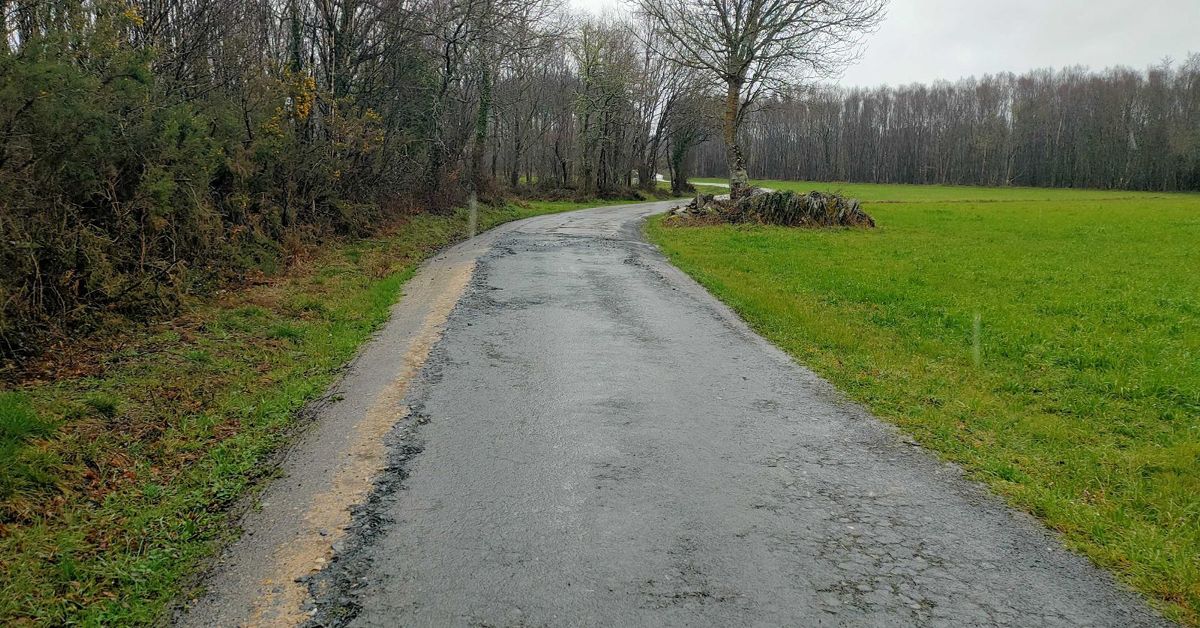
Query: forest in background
x=153 y=149
x=1116 y=129
x=157 y=148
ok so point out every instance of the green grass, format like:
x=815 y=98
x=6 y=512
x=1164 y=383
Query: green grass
x=711 y=189
x=1084 y=405
x=116 y=480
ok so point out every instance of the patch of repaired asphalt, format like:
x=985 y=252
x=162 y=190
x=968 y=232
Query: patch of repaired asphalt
x=601 y=442
x=334 y=590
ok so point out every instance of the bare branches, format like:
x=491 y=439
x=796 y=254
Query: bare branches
x=1119 y=128
x=756 y=47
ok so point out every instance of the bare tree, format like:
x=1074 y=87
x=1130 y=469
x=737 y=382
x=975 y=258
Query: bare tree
x=755 y=47
x=689 y=120
x=605 y=58
x=659 y=85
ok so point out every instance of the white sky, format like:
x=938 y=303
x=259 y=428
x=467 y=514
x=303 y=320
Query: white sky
x=926 y=40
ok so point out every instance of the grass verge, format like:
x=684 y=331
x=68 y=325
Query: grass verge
x=1047 y=340
x=117 y=473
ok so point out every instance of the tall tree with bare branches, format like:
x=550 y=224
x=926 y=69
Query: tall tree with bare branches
x=754 y=47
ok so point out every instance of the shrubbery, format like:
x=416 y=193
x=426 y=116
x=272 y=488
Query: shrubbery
x=124 y=187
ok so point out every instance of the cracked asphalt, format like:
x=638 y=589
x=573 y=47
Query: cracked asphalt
x=595 y=440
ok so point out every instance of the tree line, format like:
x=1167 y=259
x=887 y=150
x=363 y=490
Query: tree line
x=151 y=149
x=1118 y=129
x=155 y=148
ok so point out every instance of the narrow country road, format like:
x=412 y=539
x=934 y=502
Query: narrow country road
x=594 y=440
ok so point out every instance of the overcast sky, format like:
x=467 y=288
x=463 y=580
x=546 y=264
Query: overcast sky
x=925 y=40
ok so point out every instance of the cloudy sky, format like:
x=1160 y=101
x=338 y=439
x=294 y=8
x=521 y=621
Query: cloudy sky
x=924 y=40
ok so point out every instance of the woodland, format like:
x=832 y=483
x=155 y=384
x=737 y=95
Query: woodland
x=153 y=149
x=208 y=206
x=1115 y=129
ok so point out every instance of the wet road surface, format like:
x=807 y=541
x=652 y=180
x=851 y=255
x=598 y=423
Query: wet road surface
x=596 y=441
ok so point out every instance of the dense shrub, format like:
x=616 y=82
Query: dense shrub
x=123 y=188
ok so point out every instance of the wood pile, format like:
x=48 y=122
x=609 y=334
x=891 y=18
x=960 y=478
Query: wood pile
x=788 y=209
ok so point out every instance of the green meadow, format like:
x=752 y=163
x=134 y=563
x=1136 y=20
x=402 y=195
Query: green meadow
x=1047 y=340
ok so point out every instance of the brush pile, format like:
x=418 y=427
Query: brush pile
x=788 y=209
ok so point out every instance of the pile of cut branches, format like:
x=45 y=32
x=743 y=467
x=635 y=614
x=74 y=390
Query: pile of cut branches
x=788 y=209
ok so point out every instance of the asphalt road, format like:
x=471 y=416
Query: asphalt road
x=597 y=441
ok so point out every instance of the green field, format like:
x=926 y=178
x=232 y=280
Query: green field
x=1047 y=340
x=118 y=466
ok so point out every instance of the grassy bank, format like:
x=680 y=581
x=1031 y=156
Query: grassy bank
x=120 y=463
x=1048 y=340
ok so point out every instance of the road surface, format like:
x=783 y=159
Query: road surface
x=594 y=440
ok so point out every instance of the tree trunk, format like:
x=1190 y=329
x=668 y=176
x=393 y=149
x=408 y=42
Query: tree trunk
x=483 y=114
x=678 y=176
x=585 y=162
x=739 y=180
x=514 y=173
x=645 y=177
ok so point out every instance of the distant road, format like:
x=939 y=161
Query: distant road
x=595 y=440
x=663 y=179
